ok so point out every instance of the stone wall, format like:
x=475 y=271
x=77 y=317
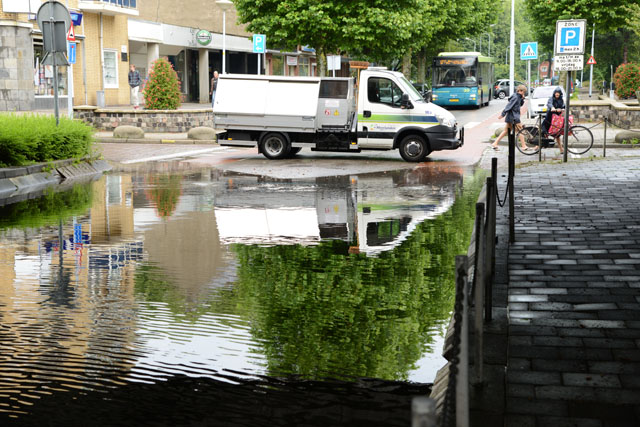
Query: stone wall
x=150 y=121
x=624 y=115
x=16 y=68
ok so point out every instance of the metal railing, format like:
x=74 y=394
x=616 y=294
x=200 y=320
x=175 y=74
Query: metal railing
x=474 y=291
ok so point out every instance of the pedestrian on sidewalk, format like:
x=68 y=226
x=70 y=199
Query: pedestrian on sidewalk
x=214 y=85
x=134 y=84
x=511 y=113
x=555 y=105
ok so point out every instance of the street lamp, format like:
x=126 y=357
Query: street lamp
x=224 y=5
x=490 y=31
x=474 y=42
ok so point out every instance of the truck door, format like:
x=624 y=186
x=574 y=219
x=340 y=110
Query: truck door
x=381 y=112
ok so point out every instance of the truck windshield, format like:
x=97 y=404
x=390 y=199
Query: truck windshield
x=414 y=95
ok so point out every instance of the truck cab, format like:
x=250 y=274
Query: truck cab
x=392 y=114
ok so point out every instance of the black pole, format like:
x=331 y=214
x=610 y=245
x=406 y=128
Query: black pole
x=512 y=171
x=565 y=137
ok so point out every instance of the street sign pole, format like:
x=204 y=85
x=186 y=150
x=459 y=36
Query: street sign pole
x=56 y=111
x=70 y=74
x=565 y=137
x=593 y=38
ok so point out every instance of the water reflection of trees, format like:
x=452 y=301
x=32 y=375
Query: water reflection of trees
x=320 y=312
x=47 y=209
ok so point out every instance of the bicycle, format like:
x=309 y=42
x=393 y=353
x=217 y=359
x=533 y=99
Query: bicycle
x=579 y=141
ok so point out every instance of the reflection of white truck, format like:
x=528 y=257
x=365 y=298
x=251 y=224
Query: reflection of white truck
x=281 y=115
x=372 y=212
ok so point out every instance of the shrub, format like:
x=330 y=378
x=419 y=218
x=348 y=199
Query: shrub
x=26 y=139
x=627 y=79
x=162 y=91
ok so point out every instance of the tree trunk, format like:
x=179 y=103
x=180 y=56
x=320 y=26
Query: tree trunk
x=422 y=66
x=625 y=45
x=321 y=59
x=406 y=65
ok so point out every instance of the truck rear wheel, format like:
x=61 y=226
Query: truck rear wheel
x=413 y=148
x=275 y=146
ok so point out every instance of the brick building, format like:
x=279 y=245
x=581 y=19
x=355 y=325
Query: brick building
x=111 y=34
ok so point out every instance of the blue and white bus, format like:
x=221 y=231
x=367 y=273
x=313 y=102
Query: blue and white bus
x=462 y=78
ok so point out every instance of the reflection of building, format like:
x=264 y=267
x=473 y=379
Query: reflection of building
x=374 y=212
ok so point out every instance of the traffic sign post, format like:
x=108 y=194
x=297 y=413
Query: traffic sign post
x=528 y=52
x=71 y=54
x=54 y=21
x=259 y=46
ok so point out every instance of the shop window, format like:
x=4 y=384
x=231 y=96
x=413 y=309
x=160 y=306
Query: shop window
x=110 y=71
x=303 y=66
x=43 y=74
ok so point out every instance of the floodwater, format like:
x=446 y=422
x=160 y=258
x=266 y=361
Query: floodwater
x=214 y=298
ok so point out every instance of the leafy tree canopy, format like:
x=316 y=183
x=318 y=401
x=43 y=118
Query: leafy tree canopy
x=377 y=30
x=608 y=15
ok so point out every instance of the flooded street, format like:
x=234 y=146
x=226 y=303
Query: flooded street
x=160 y=296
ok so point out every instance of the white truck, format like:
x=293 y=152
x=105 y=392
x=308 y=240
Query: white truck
x=281 y=115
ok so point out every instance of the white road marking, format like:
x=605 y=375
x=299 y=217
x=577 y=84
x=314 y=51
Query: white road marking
x=471 y=125
x=176 y=154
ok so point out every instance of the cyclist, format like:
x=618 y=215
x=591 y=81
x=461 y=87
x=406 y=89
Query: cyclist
x=555 y=105
x=512 y=116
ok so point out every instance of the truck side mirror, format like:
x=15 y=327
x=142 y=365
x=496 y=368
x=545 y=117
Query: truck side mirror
x=404 y=101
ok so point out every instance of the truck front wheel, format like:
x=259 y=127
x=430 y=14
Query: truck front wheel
x=275 y=146
x=413 y=148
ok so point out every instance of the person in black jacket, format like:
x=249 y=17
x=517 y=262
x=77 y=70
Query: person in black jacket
x=511 y=113
x=134 y=84
x=555 y=105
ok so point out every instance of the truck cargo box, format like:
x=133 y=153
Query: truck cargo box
x=290 y=104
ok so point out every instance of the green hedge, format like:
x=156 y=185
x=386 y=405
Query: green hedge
x=26 y=139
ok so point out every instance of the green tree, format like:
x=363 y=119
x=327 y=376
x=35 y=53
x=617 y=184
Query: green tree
x=162 y=91
x=376 y=30
x=608 y=15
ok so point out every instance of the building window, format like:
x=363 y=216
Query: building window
x=277 y=65
x=110 y=71
x=303 y=66
x=122 y=3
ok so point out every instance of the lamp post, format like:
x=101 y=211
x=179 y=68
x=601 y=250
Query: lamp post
x=224 y=5
x=474 y=42
x=490 y=31
x=512 y=42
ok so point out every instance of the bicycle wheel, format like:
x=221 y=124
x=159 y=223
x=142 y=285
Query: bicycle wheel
x=530 y=136
x=580 y=140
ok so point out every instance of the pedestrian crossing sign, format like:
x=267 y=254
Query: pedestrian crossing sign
x=528 y=51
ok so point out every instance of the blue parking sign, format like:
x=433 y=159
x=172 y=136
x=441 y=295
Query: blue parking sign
x=259 y=43
x=570 y=36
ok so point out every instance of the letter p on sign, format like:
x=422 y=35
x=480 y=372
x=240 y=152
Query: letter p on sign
x=570 y=37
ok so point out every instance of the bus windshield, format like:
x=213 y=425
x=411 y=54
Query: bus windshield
x=455 y=72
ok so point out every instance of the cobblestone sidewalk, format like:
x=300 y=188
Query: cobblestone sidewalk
x=574 y=295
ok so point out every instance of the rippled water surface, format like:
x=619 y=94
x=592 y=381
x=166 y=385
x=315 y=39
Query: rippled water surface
x=206 y=298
